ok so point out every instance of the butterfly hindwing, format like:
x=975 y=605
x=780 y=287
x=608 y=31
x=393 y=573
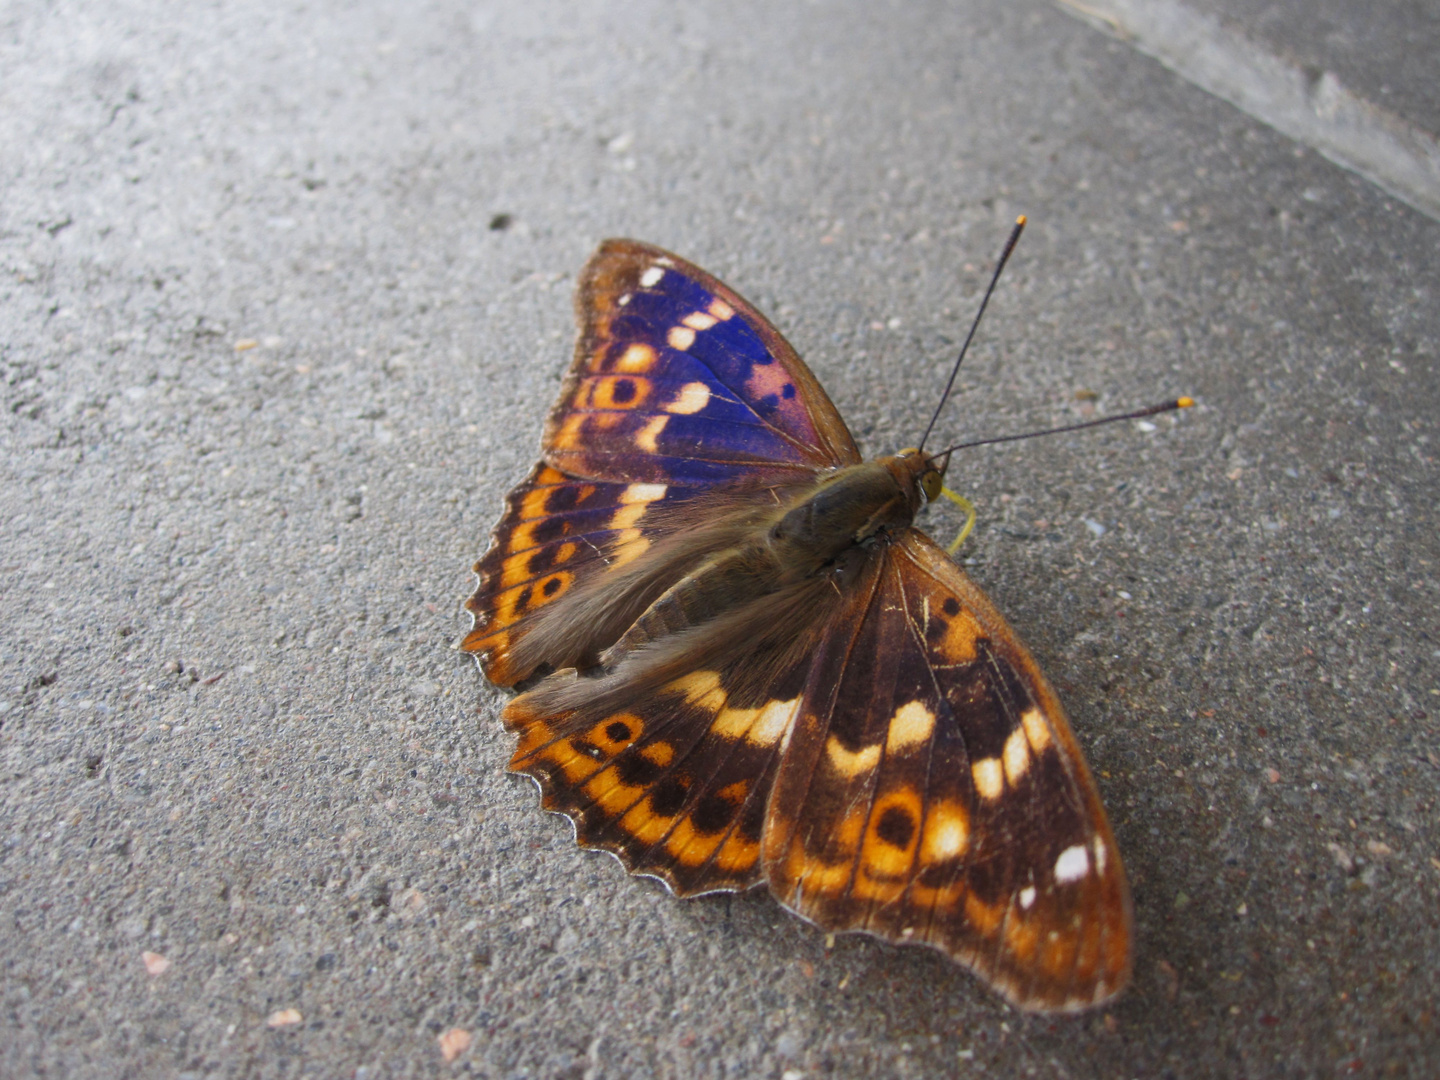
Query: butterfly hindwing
x=932 y=792
x=675 y=781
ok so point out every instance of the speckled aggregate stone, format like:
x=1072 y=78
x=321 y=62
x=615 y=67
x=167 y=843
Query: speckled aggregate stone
x=285 y=297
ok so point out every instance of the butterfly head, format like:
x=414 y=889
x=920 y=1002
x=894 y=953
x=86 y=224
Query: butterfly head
x=924 y=471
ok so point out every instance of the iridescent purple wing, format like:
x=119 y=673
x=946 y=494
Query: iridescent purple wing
x=677 y=380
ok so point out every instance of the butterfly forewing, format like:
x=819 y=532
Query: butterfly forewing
x=678 y=387
x=677 y=380
x=932 y=792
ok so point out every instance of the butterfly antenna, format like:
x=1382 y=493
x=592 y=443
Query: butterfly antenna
x=954 y=371
x=1166 y=406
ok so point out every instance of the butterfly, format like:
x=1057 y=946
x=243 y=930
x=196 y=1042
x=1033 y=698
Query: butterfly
x=742 y=663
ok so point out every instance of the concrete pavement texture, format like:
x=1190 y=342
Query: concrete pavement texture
x=1386 y=52
x=1356 y=96
x=285 y=298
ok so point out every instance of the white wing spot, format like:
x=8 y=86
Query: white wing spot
x=1099 y=856
x=700 y=688
x=637 y=358
x=909 y=727
x=651 y=277
x=1017 y=757
x=945 y=836
x=646 y=436
x=1027 y=897
x=989 y=778
x=773 y=722
x=628 y=515
x=721 y=310
x=851 y=763
x=698 y=320
x=642 y=493
x=1072 y=865
x=624 y=299
x=629 y=545
x=1036 y=729
x=692 y=398
x=733 y=723
x=680 y=337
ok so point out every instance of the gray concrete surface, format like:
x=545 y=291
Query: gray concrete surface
x=1336 y=101
x=1389 y=51
x=255 y=820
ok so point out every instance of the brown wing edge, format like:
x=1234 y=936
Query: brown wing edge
x=474 y=640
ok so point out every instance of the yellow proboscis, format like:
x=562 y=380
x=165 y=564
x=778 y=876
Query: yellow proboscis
x=969 y=508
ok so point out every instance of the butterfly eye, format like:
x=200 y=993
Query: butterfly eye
x=930 y=483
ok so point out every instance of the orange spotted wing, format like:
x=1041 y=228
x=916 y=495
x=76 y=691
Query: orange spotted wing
x=866 y=735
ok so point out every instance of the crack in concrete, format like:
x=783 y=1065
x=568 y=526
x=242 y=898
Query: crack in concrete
x=1312 y=107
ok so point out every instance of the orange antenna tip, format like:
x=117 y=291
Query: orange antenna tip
x=1020 y=220
x=1184 y=402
